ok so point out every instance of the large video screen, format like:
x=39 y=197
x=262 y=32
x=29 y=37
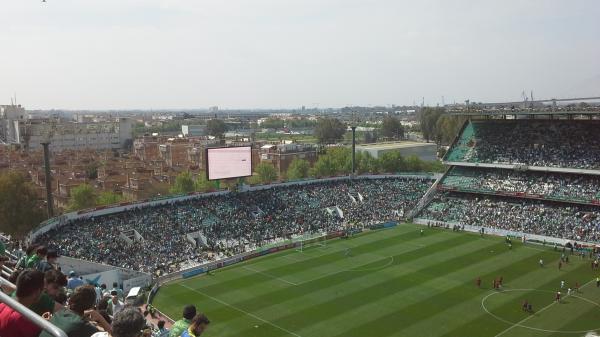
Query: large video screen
x=229 y=162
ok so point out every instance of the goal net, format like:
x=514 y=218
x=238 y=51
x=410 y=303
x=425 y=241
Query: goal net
x=308 y=240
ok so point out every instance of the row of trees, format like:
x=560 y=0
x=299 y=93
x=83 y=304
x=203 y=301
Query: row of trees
x=85 y=196
x=338 y=161
x=332 y=130
x=438 y=126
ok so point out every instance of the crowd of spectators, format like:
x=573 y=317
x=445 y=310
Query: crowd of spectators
x=78 y=308
x=232 y=223
x=546 y=143
x=568 y=187
x=573 y=222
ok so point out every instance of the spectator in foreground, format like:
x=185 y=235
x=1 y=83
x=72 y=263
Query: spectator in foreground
x=30 y=285
x=114 y=304
x=118 y=290
x=198 y=326
x=35 y=259
x=189 y=312
x=73 y=281
x=49 y=263
x=161 y=331
x=54 y=281
x=129 y=322
x=73 y=320
x=29 y=251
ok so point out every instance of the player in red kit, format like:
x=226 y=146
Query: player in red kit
x=478 y=282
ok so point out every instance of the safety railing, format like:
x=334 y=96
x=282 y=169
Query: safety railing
x=30 y=315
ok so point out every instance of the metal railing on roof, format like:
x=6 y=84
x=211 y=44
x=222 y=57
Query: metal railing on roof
x=30 y=315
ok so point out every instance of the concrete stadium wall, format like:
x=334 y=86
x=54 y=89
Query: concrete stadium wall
x=521 y=167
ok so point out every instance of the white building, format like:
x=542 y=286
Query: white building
x=17 y=127
x=193 y=130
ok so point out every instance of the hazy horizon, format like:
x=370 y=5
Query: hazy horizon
x=268 y=54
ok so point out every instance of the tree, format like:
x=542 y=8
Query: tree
x=19 y=209
x=366 y=163
x=82 y=196
x=202 y=184
x=216 y=128
x=428 y=119
x=323 y=167
x=109 y=198
x=392 y=128
x=265 y=173
x=298 y=169
x=447 y=127
x=329 y=130
x=341 y=159
x=391 y=162
x=91 y=170
x=273 y=123
x=413 y=163
x=184 y=183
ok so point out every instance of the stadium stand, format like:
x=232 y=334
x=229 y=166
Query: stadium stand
x=232 y=223
x=541 y=192
x=549 y=186
x=544 y=143
x=573 y=222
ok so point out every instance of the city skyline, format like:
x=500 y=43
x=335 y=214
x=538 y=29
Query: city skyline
x=265 y=54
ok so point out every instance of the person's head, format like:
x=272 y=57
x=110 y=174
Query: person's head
x=103 y=286
x=52 y=256
x=30 y=249
x=189 y=312
x=54 y=282
x=41 y=251
x=199 y=324
x=115 y=296
x=72 y=274
x=103 y=304
x=161 y=324
x=3 y=260
x=82 y=299
x=30 y=285
x=128 y=322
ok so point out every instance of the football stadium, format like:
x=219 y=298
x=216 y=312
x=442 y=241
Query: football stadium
x=503 y=243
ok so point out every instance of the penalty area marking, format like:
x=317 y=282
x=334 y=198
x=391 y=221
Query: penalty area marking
x=242 y=311
x=520 y=323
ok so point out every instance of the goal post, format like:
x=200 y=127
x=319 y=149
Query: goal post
x=308 y=240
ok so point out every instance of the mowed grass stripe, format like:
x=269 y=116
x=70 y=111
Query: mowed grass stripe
x=377 y=291
x=248 y=280
x=291 y=266
x=405 y=317
x=470 y=309
x=404 y=294
x=510 y=310
x=319 y=296
x=279 y=296
x=254 y=303
x=573 y=314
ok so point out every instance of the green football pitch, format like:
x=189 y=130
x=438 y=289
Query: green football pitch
x=395 y=282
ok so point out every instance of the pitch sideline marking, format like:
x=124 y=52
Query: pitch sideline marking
x=269 y=275
x=520 y=323
x=241 y=310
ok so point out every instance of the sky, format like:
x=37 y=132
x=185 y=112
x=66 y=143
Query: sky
x=187 y=54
